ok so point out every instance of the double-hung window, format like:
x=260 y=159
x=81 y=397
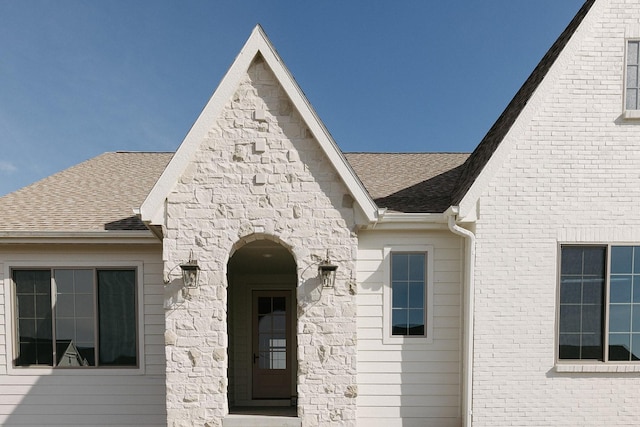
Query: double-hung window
x=408 y=294
x=599 y=315
x=81 y=317
x=632 y=80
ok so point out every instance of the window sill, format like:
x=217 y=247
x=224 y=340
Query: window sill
x=48 y=371
x=631 y=114
x=406 y=340
x=598 y=367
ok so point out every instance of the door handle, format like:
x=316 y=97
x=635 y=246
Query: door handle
x=255 y=357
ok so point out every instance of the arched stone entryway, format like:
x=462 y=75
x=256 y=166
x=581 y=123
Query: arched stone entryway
x=262 y=321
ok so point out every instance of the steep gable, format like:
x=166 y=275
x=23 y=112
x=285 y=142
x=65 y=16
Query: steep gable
x=465 y=193
x=258 y=46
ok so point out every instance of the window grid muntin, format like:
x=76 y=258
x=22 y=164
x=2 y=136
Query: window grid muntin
x=584 y=278
x=53 y=294
x=411 y=308
x=616 y=336
x=607 y=297
x=632 y=77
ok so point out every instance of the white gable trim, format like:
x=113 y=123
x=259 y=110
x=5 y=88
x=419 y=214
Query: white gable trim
x=152 y=210
x=468 y=204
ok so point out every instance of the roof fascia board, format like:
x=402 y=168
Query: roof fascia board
x=410 y=221
x=468 y=203
x=59 y=237
x=153 y=208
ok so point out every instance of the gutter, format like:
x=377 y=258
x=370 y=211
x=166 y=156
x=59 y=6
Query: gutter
x=469 y=285
x=62 y=236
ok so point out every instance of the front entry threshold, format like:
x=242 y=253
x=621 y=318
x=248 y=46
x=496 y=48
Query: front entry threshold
x=271 y=416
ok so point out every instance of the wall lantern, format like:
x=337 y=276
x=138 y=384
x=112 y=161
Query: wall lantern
x=327 y=272
x=190 y=273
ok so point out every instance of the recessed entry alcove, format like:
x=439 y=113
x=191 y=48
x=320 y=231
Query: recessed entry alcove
x=262 y=321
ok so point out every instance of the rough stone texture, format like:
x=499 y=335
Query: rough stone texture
x=231 y=194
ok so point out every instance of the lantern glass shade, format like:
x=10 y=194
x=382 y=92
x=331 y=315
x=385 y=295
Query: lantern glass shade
x=190 y=273
x=327 y=273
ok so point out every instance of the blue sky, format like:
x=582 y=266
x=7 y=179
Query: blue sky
x=78 y=78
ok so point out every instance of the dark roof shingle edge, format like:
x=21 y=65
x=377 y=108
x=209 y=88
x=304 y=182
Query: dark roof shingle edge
x=492 y=140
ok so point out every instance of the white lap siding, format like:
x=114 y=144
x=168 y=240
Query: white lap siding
x=411 y=384
x=79 y=397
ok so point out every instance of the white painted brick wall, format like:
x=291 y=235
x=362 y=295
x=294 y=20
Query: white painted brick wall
x=573 y=175
x=220 y=203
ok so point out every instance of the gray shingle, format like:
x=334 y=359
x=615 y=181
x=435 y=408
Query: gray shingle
x=409 y=182
x=98 y=194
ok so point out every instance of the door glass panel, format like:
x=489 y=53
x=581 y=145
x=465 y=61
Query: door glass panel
x=272 y=338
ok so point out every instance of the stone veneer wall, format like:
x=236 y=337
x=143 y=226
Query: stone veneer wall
x=260 y=178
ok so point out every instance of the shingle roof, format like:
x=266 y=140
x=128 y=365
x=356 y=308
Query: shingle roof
x=409 y=182
x=101 y=193
x=499 y=130
x=98 y=194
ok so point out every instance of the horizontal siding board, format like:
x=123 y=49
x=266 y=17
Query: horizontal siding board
x=404 y=412
x=409 y=390
x=402 y=400
x=385 y=378
x=90 y=397
x=408 y=422
x=418 y=380
x=409 y=367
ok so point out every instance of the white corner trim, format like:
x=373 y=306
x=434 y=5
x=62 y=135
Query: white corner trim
x=152 y=210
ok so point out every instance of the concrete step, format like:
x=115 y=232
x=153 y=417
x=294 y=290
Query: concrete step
x=243 y=420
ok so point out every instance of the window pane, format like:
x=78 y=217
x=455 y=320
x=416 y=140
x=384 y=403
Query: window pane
x=400 y=295
x=592 y=290
x=619 y=347
x=572 y=260
x=399 y=267
x=591 y=346
x=593 y=262
x=569 y=346
x=399 y=321
x=416 y=322
x=620 y=318
x=570 y=316
x=620 y=289
x=635 y=347
x=636 y=286
x=632 y=77
x=117 y=318
x=632 y=99
x=591 y=319
x=75 y=323
x=416 y=295
x=570 y=290
x=621 y=259
x=33 y=308
x=632 y=52
x=416 y=267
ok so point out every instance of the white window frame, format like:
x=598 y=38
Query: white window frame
x=10 y=326
x=628 y=113
x=590 y=365
x=387 y=337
